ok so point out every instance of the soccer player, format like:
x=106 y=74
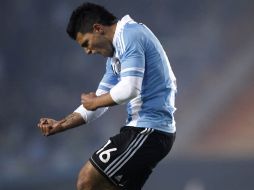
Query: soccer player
x=138 y=74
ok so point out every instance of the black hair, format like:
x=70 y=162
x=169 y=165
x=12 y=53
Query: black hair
x=85 y=16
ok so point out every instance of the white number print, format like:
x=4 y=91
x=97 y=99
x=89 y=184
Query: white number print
x=105 y=155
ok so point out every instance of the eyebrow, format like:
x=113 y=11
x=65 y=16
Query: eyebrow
x=85 y=43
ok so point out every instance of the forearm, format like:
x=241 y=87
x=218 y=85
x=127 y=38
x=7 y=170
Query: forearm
x=50 y=126
x=104 y=100
x=72 y=120
x=92 y=102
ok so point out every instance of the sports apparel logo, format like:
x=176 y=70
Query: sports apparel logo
x=116 y=65
x=118 y=177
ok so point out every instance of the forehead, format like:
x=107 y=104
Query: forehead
x=82 y=37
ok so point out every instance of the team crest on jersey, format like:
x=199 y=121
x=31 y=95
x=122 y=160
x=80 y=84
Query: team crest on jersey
x=116 y=65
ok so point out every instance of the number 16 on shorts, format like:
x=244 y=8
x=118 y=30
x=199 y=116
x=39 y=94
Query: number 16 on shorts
x=104 y=155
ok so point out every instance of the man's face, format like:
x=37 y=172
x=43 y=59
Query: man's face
x=95 y=43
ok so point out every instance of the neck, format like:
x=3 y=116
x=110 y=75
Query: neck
x=110 y=31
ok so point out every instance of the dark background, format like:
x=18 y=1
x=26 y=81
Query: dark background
x=210 y=45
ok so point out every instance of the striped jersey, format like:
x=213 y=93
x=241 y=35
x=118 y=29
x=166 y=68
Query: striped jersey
x=138 y=53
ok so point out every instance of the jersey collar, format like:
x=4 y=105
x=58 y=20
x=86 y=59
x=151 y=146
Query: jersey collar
x=120 y=24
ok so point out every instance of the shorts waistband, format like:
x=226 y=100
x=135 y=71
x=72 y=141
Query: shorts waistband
x=138 y=129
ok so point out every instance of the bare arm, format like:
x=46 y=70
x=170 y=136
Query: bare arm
x=50 y=126
x=90 y=101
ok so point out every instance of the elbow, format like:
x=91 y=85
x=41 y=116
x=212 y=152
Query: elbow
x=132 y=93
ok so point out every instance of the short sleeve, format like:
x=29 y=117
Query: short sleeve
x=133 y=57
x=109 y=79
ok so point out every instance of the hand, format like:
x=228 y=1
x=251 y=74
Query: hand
x=89 y=101
x=49 y=126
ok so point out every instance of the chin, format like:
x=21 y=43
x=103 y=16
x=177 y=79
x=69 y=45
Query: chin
x=107 y=54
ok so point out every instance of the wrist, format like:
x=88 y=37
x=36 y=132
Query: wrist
x=61 y=125
x=96 y=103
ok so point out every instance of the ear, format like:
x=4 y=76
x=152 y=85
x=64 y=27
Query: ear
x=98 y=28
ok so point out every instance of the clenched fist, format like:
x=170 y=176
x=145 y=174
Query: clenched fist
x=89 y=101
x=49 y=126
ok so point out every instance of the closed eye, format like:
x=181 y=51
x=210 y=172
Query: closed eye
x=84 y=44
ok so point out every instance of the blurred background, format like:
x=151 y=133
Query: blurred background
x=210 y=45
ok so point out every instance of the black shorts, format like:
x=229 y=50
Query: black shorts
x=127 y=159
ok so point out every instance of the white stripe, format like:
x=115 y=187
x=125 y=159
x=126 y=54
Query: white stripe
x=119 y=157
x=172 y=102
x=126 y=155
x=120 y=25
x=120 y=43
x=127 y=159
x=142 y=70
x=135 y=106
x=133 y=152
x=129 y=153
x=126 y=152
x=172 y=99
x=122 y=40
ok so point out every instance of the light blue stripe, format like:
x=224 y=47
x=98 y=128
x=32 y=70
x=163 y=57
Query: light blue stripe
x=137 y=62
x=132 y=73
x=101 y=87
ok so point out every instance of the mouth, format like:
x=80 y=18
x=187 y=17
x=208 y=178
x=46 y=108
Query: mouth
x=104 y=53
x=95 y=52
